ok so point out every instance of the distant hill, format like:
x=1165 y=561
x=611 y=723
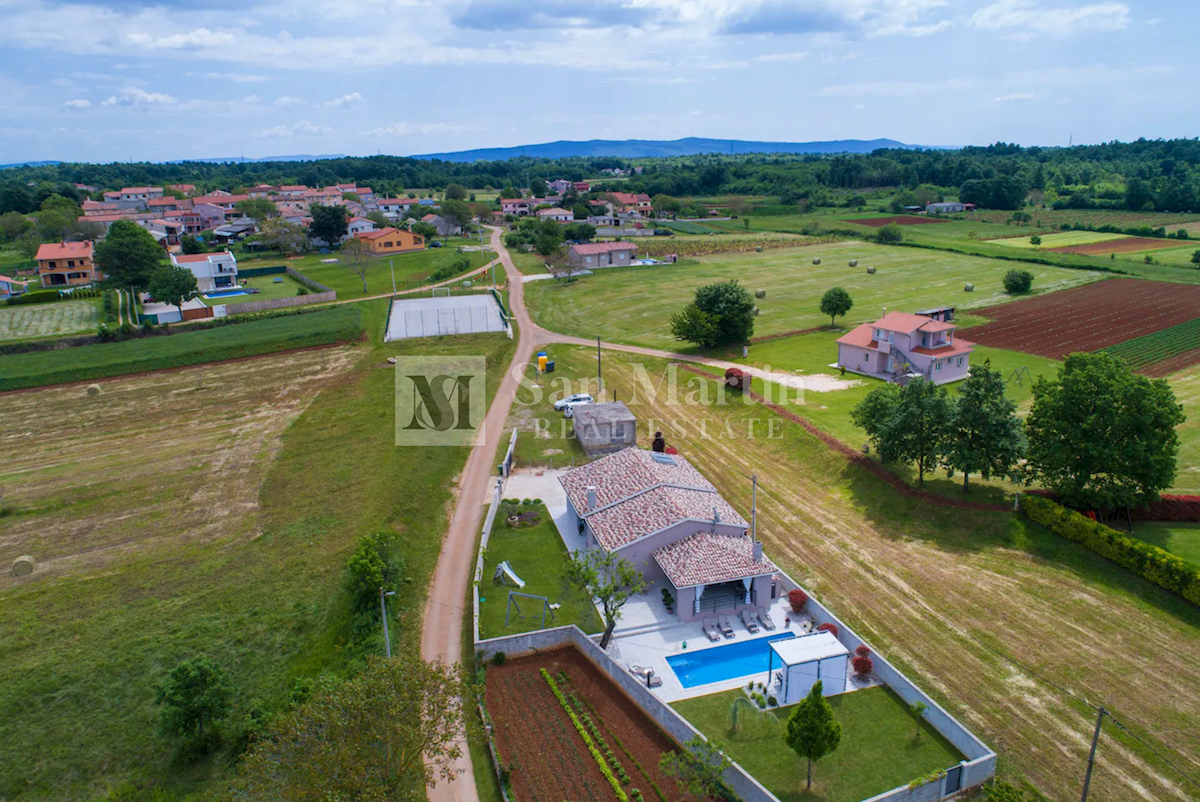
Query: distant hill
x=28 y=164
x=244 y=160
x=638 y=148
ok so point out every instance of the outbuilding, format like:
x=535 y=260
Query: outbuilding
x=804 y=660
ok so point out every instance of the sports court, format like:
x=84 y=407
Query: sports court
x=433 y=317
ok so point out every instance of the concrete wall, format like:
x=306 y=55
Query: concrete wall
x=281 y=303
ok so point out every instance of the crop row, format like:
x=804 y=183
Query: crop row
x=587 y=738
x=1160 y=345
x=561 y=743
x=582 y=707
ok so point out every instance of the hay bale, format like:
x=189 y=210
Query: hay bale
x=969 y=288
x=22 y=566
x=758 y=249
x=871 y=271
x=854 y=263
x=816 y=260
x=760 y=293
x=93 y=389
x=757 y=311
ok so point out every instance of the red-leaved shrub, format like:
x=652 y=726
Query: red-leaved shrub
x=831 y=628
x=798 y=599
x=862 y=665
x=862 y=651
x=737 y=378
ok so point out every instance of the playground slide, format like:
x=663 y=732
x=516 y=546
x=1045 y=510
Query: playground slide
x=505 y=569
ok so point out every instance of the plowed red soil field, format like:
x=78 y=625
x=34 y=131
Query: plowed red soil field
x=549 y=759
x=901 y=220
x=1124 y=245
x=1087 y=318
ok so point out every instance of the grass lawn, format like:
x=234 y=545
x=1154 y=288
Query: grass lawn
x=212 y=511
x=530 y=264
x=1178 y=538
x=268 y=290
x=49 y=319
x=537 y=555
x=635 y=305
x=1176 y=257
x=1065 y=239
x=1186 y=385
x=546 y=437
x=880 y=747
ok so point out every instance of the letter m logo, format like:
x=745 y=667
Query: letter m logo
x=440 y=401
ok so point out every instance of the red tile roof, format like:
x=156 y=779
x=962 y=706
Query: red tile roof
x=706 y=558
x=382 y=232
x=589 y=248
x=187 y=258
x=65 y=250
x=861 y=336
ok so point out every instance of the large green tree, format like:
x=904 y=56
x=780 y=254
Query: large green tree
x=836 y=302
x=357 y=257
x=329 y=223
x=909 y=426
x=128 y=256
x=387 y=734
x=455 y=192
x=193 y=694
x=985 y=434
x=1101 y=436
x=457 y=212
x=13 y=225
x=258 y=208
x=609 y=579
x=728 y=306
x=812 y=731
x=174 y=285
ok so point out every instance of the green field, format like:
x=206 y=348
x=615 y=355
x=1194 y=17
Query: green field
x=1066 y=239
x=1142 y=351
x=1178 y=538
x=50 y=319
x=634 y=305
x=1186 y=385
x=537 y=555
x=883 y=745
x=268 y=290
x=231 y=341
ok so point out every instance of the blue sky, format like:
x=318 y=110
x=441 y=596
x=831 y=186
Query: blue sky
x=97 y=80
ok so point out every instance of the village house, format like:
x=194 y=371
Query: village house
x=213 y=271
x=166 y=204
x=142 y=194
x=185 y=189
x=660 y=513
x=604 y=428
x=67 y=264
x=556 y=214
x=358 y=225
x=165 y=232
x=11 y=288
x=519 y=207
x=386 y=241
x=638 y=203
x=293 y=190
x=560 y=185
x=262 y=191
x=394 y=208
x=444 y=227
x=601 y=254
x=899 y=347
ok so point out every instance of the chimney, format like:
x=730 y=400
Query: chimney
x=591 y=497
x=716 y=516
x=758 y=551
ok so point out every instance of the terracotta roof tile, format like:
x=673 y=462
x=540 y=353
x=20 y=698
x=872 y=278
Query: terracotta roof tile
x=65 y=250
x=706 y=558
x=589 y=248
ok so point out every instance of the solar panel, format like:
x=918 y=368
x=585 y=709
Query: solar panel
x=665 y=459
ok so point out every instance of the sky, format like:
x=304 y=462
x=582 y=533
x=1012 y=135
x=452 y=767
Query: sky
x=99 y=80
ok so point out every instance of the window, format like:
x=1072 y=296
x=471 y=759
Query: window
x=70 y=263
x=866 y=357
x=53 y=265
x=924 y=339
x=937 y=367
x=960 y=360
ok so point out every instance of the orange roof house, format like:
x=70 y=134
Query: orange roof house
x=391 y=240
x=67 y=264
x=900 y=346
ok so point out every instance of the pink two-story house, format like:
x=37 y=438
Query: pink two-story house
x=900 y=346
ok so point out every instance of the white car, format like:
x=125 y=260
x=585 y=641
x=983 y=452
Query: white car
x=565 y=405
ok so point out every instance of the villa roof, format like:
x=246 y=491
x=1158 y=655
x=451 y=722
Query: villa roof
x=185 y=258
x=553 y=210
x=707 y=558
x=864 y=337
x=64 y=250
x=589 y=248
x=639 y=492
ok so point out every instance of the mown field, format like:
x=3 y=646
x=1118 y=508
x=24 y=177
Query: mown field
x=634 y=305
x=1064 y=239
x=940 y=591
x=208 y=510
x=230 y=341
x=268 y=290
x=48 y=320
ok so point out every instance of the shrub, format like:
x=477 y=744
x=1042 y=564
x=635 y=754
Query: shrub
x=863 y=666
x=889 y=233
x=830 y=628
x=1018 y=281
x=499 y=659
x=1150 y=562
x=737 y=378
x=772 y=701
x=862 y=651
x=797 y=598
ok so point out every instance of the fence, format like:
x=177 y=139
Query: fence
x=251 y=272
x=506 y=464
x=320 y=293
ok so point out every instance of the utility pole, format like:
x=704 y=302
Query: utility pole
x=1087 y=776
x=754 y=508
x=599 y=378
x=387 y=641
x=392 y=265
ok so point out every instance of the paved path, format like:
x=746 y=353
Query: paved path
x=442 y=634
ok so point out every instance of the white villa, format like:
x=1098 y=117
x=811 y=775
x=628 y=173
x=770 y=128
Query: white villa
x=213 y=271
x=659 y=513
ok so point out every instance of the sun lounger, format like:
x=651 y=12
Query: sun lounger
x=639 y=671
x=749 y=621
x=711 y=631
x=726 y=627
x=653 y=680
x=764 y=615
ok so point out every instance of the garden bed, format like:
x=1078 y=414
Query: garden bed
x=538 y=742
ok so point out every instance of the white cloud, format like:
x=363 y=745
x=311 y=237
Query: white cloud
x=132 y=96
x=778 y=57
x=290 y=101
x=236 y=77
x=1026 y=19
x=251 y=99
x=890 y=88
x=196 y=38
x=347 y=100
x=77 y=105
x=302 y=128
x=1015 y=97
x=405 y=129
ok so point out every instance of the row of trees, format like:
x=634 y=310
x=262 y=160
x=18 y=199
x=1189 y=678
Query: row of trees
x=1098 y=435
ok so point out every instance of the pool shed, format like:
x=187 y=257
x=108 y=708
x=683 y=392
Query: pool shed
x=804 y=660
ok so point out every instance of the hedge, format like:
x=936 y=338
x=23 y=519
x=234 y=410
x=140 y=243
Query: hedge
x=587 y=739
x=1147 y=561
x=254 y=338
x=1177 y=509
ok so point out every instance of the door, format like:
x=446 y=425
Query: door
x=891 y=363
x=954 y=779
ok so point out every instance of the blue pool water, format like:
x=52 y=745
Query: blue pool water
x=224 y=293
x=719 y=663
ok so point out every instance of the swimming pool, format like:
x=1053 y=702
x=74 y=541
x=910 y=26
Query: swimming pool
x=724 y=662
x=224 y=293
